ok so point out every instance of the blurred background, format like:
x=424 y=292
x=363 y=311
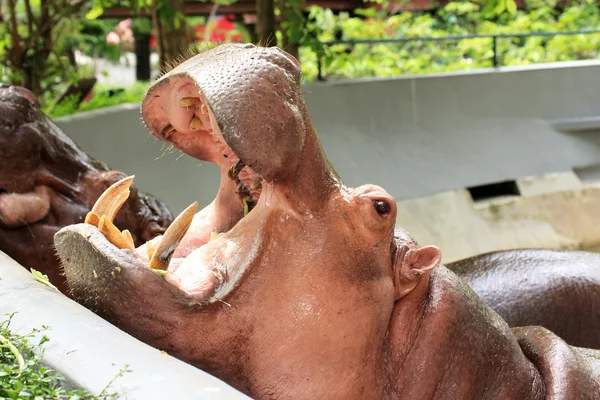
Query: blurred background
x=480 y=117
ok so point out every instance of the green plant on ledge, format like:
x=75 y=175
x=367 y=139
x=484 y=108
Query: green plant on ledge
x=23 y=377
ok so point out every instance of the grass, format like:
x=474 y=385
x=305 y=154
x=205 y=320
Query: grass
x=23 y=377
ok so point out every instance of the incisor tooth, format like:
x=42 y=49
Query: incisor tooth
x=195 y=124
x=189 y=101
x=129 y=239
x=149 y=250
x=167 y=131
x=110 y=202
x=171 y=238
x=112 y=233
x=203 y=109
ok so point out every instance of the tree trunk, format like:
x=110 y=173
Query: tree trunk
x=142 y=56
x=265 y=24
x=171 y=31
x=287 y=44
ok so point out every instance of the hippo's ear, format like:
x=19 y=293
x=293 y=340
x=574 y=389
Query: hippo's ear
x=416 y=264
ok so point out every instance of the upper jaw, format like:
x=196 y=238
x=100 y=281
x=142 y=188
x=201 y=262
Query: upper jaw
x=230 y=86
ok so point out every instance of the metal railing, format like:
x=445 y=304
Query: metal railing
x=494 y=37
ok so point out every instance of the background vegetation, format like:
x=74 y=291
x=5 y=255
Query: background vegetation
x=308 y=34
x=456 y=18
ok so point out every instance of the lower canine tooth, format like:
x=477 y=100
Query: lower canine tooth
x=171 y=238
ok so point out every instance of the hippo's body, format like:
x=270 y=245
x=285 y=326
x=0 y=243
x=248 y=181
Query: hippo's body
x=291 y=285
x=559 y=290
x=47 y=182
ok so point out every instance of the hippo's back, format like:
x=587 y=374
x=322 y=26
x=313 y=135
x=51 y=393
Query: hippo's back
x=559 y=290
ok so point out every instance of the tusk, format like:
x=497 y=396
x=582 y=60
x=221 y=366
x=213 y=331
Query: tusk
x=195 y=124
x=112 y=233
x=189 y=101
x=171 y=238
x=110 y=202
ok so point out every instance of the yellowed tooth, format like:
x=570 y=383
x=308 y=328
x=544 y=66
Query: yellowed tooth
x=129 y=239
x=167 y=131
x=112 y=233
x=149 y=249
x=195 y=124
x=171 y=238
x=203 y=109
x=110 y=202
x=189 y=101
x=235 y=169
x=92 y=219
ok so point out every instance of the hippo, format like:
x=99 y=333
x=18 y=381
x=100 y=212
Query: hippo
x=556 y=289
x=47 y=182
x=559 y=290
x=343 y=308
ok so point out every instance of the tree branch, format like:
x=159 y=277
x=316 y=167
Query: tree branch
x=30 y=17
x=13 y=22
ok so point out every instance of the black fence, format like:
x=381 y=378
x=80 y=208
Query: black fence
x=496 y=60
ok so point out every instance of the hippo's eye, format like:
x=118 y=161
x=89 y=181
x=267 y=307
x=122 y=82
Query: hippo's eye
x=382 y=207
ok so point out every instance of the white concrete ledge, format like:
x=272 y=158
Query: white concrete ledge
x=89 y=352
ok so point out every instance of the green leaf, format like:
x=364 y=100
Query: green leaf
x=500 y=7
x=511 y=6
x=42 y=278
x=95 y=12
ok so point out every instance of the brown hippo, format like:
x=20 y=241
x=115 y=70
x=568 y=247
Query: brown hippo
x=559 y=290
x=342 y=308
x=47 y=182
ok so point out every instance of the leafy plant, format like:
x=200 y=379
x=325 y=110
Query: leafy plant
x=454 y=19
x=23 y=377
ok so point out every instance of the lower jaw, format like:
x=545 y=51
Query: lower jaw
x=211 y=270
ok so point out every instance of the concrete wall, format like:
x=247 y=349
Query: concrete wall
x=555 y=211
x=415 y=136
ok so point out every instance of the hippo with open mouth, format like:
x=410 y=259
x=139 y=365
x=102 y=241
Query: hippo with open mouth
x=343 y=308
x=47 y=182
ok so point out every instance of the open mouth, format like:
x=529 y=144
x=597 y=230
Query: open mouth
x=203 y=253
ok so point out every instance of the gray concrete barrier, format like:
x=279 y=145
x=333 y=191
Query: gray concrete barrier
x=90 y=352
x=415 y=136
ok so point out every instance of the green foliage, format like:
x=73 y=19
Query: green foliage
x=23 y=377
x=456 y=18
x=103 y=96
